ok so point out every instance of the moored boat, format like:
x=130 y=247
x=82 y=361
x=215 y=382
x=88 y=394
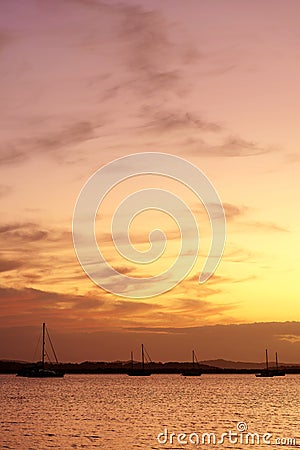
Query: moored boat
x=278 y=372
x=265 y=373
x=141 y=371
x=194 y=371
x=40 y=370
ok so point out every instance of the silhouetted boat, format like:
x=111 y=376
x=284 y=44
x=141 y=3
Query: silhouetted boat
x=139 y=371
x=39 y=370
x=195 y=369
x=266 y=373
x=278 y=372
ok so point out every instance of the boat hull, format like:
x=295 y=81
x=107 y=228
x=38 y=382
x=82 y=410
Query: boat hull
x=139 y=373
x=41 y=373
x=191 y=374
x=264 y=375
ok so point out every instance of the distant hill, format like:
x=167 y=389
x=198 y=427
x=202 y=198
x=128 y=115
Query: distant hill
x=224 y=364
x=216 y=366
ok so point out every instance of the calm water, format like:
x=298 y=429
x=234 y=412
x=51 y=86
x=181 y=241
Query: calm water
x=120 y=412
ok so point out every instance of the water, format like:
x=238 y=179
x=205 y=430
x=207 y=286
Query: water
x=114 y=412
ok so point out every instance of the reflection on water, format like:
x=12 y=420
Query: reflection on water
x=115 y=412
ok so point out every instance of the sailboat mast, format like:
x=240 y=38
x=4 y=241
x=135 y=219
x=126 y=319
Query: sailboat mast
x=43 y=346
x=193 y=353
x=267 y=362
x=143 y=357
x=276 y=361
x=131 y=358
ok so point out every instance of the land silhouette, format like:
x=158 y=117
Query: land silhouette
x=218 y=366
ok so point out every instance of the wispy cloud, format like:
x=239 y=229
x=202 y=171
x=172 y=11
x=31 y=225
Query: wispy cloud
x=142 y=66
x=43 y=256
x=11 y=154
x=240 y=216
x=47 y=143
x=23 y=232
x=7 y=265
x=233 y=211
x=229 y=146
x=265 y=226
x=167 y=121
x=237 y=146
x=150 y=55
x=292 y=338
x=37 y=303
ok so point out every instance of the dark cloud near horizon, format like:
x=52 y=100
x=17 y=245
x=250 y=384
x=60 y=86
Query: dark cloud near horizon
x=221 y=340
x=235 y=342
x=99 y=308
x=37 y=303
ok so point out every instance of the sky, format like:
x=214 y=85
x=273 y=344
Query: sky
x=84 y=82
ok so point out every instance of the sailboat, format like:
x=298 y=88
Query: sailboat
x=195 y=370
x=39 y=370
x=266 y=373
x=278 y=372
x=139 y=371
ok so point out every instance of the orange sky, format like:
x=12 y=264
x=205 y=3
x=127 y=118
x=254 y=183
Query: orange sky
x=85 y=82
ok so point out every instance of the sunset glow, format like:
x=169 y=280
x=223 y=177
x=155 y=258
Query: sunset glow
x=86 y=82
